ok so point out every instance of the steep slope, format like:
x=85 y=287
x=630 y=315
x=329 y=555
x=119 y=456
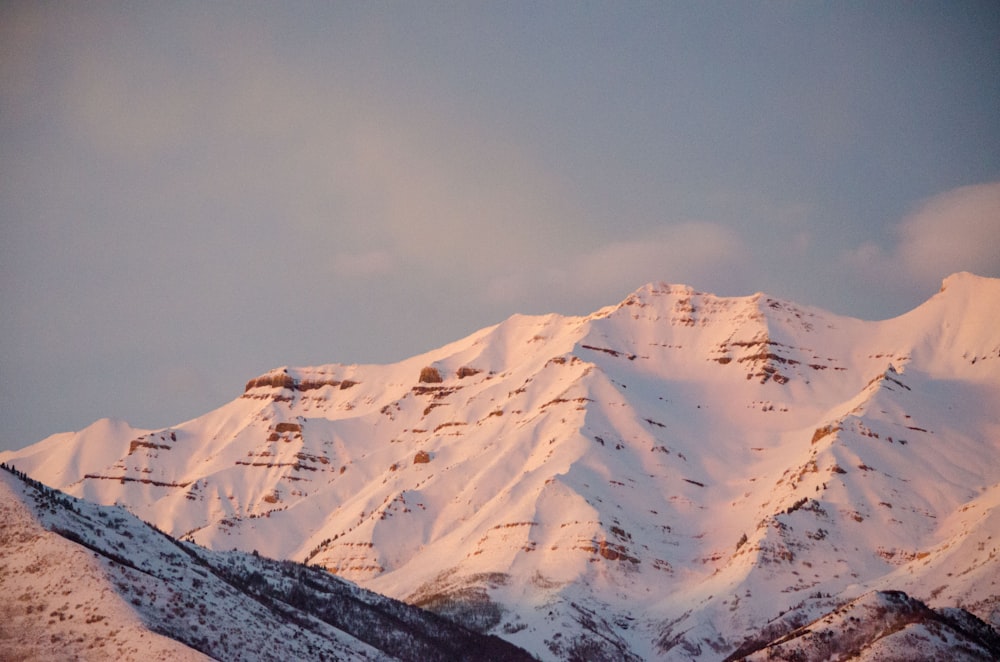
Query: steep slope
x=59 y=600
x=659 y=479
x=135 y=591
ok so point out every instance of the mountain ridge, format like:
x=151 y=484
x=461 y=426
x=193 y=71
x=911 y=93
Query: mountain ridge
x=141 y=594
x=549 y=469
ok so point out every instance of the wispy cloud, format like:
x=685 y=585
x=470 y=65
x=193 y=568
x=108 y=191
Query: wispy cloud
x=958 y=230
x=700 y=252
x=458 y=197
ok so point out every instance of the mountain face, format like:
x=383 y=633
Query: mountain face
x=671 y=477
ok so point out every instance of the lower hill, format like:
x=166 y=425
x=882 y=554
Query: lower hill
x=84 y=581
x=881 y=625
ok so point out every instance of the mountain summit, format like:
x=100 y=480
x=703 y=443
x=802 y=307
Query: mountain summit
x=670 y=477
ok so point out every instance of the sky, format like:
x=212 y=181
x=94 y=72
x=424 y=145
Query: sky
x=193 y=193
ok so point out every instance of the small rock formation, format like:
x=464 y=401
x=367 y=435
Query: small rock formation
x=430 y=375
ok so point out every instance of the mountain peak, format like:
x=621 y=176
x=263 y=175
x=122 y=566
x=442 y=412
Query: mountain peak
x=964 y=289
x=653 y=290
x=967 y=279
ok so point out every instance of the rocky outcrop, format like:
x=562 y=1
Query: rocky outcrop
x=430 y=375
x=283 y=381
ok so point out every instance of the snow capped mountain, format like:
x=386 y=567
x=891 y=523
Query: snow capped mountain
x=664 y=478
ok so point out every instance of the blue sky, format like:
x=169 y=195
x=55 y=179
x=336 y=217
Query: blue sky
x=193 y=193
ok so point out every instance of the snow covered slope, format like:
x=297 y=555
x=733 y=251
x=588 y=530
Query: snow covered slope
x=94 y=582
x=59 y=601
x=884 y=626
x=660 y=479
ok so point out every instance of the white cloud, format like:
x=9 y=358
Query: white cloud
x=958 y=230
